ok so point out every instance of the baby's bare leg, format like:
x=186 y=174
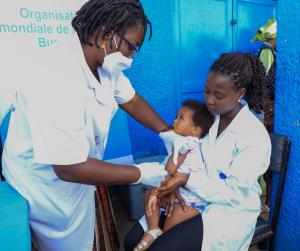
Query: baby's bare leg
x=153 y=220
x=178 y=216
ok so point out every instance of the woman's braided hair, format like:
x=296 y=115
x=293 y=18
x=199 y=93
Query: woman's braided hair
x=101 y=17
x=246 y=71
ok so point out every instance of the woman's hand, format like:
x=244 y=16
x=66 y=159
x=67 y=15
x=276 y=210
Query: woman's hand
x=172 y=184
x=168 y=201
x=152 y=173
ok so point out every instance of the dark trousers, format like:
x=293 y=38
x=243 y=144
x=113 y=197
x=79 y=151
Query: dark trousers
x=185 y=236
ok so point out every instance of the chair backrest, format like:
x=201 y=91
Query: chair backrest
x=279 y=162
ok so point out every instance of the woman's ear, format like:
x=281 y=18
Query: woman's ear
x=241 y=93
x=107 y=37
x=102 y=42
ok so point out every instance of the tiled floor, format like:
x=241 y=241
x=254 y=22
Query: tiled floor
x=124 y=223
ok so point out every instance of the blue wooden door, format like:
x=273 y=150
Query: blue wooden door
x=249 y=15
x=205 y=29
x=203 y=33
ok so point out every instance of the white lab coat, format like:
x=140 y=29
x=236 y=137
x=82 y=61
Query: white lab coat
x=62 y=116
x=241 y=153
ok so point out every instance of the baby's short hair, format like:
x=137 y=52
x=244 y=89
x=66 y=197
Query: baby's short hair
x=201 y=117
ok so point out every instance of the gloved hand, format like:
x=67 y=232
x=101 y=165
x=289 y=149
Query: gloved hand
x=175 y=144
x=152 y=173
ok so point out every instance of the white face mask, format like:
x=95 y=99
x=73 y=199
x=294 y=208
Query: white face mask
x=116 y=62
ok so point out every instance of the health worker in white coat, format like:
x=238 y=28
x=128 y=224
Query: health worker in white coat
x=236 y=152
x=60 y=121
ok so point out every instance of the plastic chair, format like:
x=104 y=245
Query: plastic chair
x=265 y=231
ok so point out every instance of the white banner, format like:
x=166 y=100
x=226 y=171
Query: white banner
x=27 y=26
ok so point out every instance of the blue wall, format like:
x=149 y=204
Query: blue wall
x=118 y=142
x=287 y=120
x=153 y=76
x=187 y=37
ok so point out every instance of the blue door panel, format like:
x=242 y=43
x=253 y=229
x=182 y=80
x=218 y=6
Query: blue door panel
x=208 y=28
x=205 y=33
x=250 y=16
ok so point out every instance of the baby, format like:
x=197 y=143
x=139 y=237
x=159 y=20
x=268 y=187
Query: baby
x=193 y=121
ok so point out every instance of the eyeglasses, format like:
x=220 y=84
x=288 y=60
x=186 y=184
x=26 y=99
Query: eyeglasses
x=131 y=46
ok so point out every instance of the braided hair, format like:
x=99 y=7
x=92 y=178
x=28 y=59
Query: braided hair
x=101 y=17
x=246 y=71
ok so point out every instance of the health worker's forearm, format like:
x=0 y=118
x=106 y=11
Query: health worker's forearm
x=141 y=110
x=97 y=172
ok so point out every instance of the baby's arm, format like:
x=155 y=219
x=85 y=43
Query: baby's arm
x=183 y=158
x=170 y=167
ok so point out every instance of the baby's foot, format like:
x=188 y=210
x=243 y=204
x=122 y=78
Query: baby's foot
x=149 y=237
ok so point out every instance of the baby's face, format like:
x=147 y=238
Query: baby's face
x=183 y=124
